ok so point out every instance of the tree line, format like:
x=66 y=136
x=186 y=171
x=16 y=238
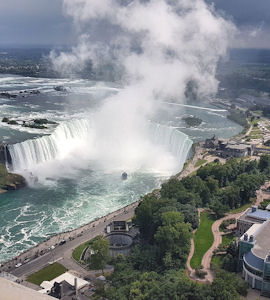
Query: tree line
x=155 y=269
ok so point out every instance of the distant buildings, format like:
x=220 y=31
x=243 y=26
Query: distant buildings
x=226 y=148
x=211 y=143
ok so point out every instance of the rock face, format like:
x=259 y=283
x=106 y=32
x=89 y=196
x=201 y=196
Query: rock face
x=60 y=88
x=5 y=156
x=7 y=95
x=35 y=123
x=10 y=181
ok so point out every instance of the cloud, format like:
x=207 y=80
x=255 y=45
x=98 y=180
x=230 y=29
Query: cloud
x=184 y=37
x=255 y=31
x=161 y=47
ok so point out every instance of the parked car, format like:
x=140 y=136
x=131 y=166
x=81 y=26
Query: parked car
x=18 y=265
x=62 y=242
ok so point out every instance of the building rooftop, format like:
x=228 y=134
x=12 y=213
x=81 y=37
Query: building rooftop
x=67 y=277
x=237 y=147
x=251 y=230
x=255 y=215
x=259 y=214
x=254 y=261
x=13 y=291
x=262 y=240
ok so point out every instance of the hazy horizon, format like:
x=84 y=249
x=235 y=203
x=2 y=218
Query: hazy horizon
x=34 y=23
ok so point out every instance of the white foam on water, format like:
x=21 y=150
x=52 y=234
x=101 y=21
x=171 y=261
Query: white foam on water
x=76 y=144
x=196 y=107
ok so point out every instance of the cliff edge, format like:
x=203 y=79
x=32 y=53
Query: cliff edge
x=10 y=181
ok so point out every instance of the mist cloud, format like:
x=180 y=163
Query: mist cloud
x=182 y=38
x=161 y=47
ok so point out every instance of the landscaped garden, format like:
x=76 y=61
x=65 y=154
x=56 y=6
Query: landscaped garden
x=203 y=239
x=227 y=238
x=76 y=254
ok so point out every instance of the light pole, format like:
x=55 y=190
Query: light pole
x=52 y=253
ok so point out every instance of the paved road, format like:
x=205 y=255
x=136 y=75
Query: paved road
x=63 y=253
x=199 y=155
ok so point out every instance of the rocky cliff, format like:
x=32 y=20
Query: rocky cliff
x=4 y=154
x=10 y=181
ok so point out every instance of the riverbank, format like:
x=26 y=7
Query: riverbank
x=44 y=247
x=66 y=240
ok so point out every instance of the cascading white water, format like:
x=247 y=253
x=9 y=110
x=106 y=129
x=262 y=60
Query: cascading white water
x=74 y=134
x=64 y=139
x=173 y=140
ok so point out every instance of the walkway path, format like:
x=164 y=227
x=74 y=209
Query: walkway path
x=249 y=130
x=63 y=253
x=206 y=260
x=199 y=155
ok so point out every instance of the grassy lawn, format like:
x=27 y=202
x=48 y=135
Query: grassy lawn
x=186 y=164
x=200 y=162
x=48 y=273
x=256 y=137
x=76 y=254
x=227 y=238
x=256 y=130
x=203 y=239
x=193 y=173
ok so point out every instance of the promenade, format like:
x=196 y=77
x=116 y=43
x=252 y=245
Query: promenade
x=42 y=254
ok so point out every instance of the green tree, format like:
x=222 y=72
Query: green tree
x=227 y=286
x=264 y=164
x=173 y=238
x=99 y=249
x=218 y=208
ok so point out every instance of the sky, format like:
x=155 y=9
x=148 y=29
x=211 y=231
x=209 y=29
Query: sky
x=42 y=22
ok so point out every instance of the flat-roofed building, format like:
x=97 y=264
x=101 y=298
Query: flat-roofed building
x=251 y=216
x=254 y=257
x=10 y=290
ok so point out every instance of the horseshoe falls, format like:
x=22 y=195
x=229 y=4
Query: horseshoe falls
x=32 y=152
x=74 y=135
x=74 y=170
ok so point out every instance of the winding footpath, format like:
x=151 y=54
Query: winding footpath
x=206 y=260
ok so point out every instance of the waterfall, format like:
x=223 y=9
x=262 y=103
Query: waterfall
x=173 y=140
x=63 y=140
x=72 y=135
x=5 y=157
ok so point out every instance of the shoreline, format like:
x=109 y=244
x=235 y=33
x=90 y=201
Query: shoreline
x=45 y=246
